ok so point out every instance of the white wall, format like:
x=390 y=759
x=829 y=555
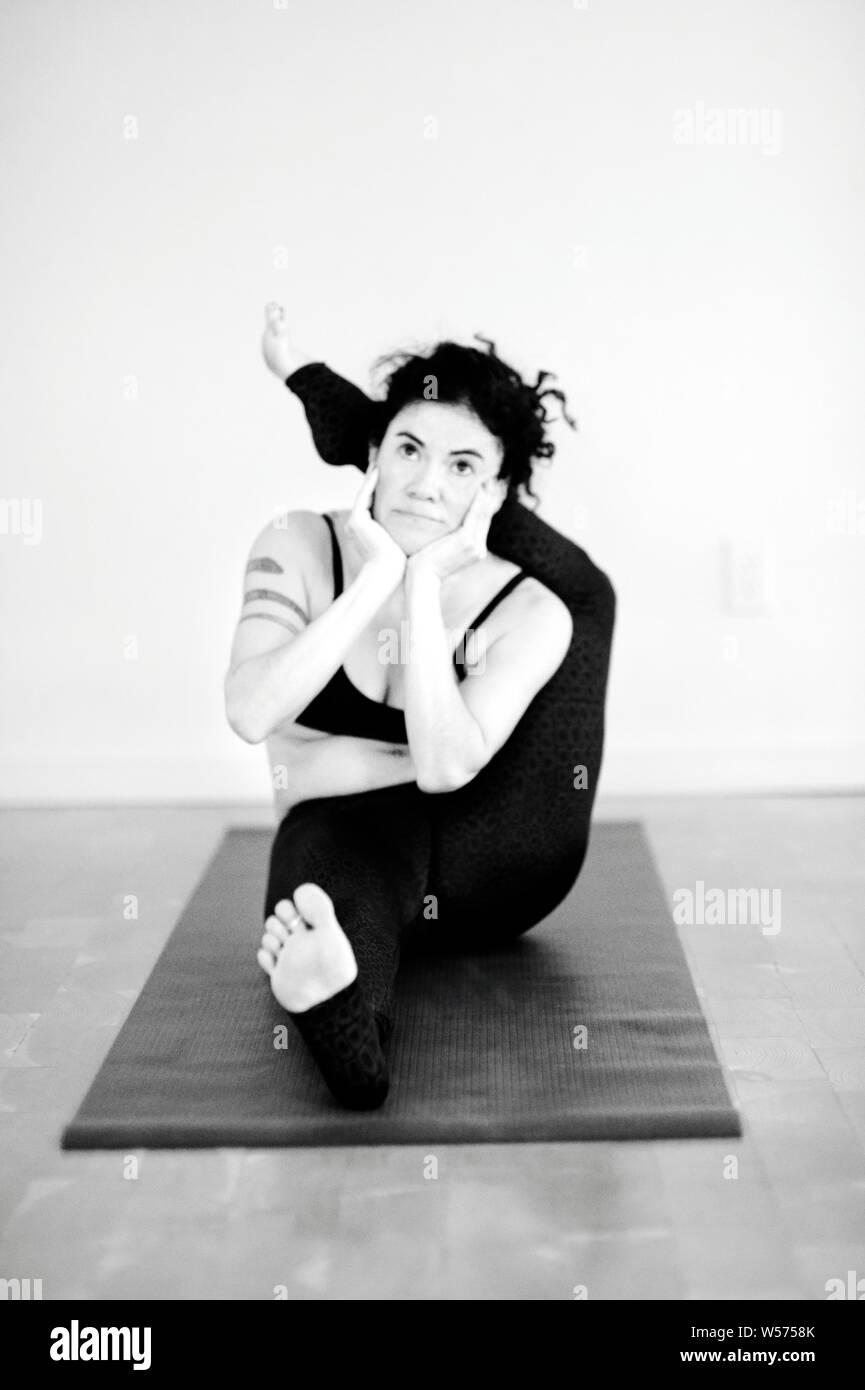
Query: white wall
x=701 y=303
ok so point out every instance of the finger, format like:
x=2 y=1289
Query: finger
x=363 y=498
x=477 y=517
x=482 y=518
x=491 y=495
x=473 y=509
x=369 y=483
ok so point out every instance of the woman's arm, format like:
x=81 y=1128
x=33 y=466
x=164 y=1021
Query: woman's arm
x=271 y=677
x=455 y=729
x=340 y=764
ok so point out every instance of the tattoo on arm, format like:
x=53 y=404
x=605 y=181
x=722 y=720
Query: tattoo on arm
x=271 y=618
x=265 y=564
x=274 y=597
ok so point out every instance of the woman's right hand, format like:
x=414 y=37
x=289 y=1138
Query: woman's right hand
x=372 y=544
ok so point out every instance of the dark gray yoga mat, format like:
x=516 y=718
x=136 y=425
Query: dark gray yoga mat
x=483 y=1049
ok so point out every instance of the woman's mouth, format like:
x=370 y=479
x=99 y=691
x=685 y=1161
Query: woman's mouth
x=417 y=516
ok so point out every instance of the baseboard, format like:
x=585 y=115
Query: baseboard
x=680 y=771
x=246 y=778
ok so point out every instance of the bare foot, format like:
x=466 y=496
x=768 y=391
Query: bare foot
x=308 y=960
x=279 y=354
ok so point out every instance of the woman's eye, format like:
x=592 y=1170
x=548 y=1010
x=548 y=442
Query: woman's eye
x=407 y=446
x=463 y=466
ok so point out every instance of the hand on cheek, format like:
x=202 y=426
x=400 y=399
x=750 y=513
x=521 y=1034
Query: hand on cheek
x=466 y=544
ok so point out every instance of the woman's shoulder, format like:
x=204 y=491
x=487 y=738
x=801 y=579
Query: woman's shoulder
x=295 y=540
x=293 y=528
x=538 y=595
x=532 y=592
x=537 y=606
x=530 y=602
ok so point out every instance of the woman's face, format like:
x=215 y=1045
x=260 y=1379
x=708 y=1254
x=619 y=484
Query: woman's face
x=432 y=461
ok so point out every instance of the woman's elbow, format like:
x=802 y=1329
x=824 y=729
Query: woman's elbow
x=239 y=724
x=237 y=713
x=445 y=779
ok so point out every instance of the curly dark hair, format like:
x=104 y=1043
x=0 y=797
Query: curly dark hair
x=509 y=407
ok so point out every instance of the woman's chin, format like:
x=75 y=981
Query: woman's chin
x=412 y=533
x=410 y=545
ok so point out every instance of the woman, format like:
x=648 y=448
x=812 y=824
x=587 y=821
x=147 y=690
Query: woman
x=350 y=661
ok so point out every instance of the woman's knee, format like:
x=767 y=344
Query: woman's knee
x=494 y=910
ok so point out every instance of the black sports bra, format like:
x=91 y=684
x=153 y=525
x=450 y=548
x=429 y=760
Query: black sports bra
x=340 y=708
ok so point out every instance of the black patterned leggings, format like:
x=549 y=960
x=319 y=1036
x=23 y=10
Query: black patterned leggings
x=372 y=852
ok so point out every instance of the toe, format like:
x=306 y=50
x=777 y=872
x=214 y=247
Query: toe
x=275 y=927
x=272 y=944
x=266 y=961
x=313 y=904
x=286 y=912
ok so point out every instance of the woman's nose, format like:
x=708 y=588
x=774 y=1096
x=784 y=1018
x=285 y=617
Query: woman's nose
x=426 y=482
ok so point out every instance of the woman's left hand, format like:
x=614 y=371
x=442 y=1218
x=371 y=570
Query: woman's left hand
x=464 y=546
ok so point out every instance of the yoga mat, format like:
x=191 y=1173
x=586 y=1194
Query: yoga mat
x=484 y=1046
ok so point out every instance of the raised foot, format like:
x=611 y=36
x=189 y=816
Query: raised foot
x=308 y=960
x=276 y=346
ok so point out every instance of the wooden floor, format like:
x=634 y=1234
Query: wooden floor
x=519 y=1221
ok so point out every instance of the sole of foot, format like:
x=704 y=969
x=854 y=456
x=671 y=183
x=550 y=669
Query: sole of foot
x=305 y=951
x=276 y=345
